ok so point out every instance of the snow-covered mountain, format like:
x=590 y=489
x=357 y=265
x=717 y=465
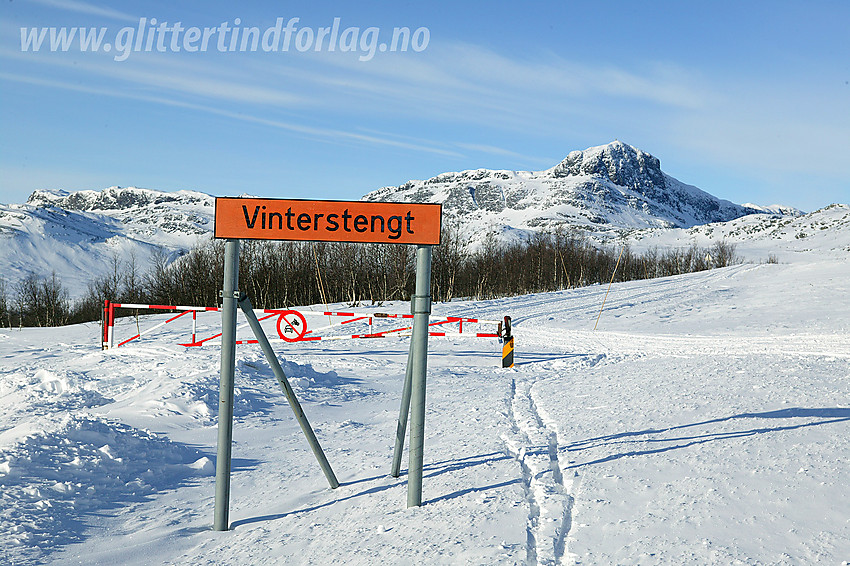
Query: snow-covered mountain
x=78 y=234
x=602 y=190
x=612 y=193
x=780 y=209
x=143 y=212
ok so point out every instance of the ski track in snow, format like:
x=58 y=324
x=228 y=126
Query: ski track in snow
x=535 y=446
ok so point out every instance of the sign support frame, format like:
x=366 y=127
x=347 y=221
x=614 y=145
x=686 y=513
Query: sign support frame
x=367 y=225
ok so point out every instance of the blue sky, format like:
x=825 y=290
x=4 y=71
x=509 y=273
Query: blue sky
x=749 y=101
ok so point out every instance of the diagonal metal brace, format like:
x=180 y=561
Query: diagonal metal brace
x=271 y=357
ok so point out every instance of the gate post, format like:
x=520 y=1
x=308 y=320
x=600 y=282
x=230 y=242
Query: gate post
x=508 y=345
x=104 y=320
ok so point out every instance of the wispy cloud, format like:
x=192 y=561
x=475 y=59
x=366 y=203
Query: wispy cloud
x=771 y=129
x=326 y=134
x=460 y=83
x=459 y=68
x=165 y=74
x=89 y=9
x=502 y=152
x=455 y=84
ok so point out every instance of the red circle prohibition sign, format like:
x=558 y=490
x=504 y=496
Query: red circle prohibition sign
x=291 y=326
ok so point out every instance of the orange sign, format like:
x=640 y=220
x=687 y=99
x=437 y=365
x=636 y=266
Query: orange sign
x=327 y=221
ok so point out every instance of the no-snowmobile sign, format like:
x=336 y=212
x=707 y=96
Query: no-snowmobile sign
x=327 y=221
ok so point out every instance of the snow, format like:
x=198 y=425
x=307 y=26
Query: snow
x=706 y=421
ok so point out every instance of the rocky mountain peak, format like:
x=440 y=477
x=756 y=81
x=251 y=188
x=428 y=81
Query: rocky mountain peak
x=617 y=162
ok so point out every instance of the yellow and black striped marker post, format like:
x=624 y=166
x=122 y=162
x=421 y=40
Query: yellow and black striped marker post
x=508 y=345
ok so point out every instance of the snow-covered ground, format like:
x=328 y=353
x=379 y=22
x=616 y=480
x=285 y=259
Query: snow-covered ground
x=705 y=421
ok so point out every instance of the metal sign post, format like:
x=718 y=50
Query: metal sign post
x=421 y=301
x=225 y=398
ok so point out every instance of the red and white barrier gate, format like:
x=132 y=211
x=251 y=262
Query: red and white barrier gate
x=109 y=320
x=306 y=326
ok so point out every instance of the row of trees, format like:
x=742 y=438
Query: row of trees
x=280 y=274
x=39 y=301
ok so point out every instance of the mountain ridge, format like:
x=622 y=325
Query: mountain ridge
x=611 y=194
